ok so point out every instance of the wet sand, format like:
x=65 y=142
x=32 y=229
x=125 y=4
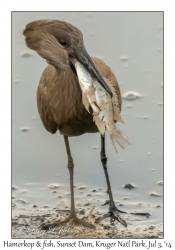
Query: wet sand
x=26 y=224
x=26 y=219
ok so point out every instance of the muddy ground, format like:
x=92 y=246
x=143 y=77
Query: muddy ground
x=26 y=223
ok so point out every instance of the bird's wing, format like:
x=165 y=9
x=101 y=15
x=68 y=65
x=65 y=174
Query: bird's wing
x=45 y=115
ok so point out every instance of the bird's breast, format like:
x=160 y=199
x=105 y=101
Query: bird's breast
x=63 y=102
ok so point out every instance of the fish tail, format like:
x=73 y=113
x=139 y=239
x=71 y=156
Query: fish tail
x=99 y=123
x=119 y=137
x=113 y=143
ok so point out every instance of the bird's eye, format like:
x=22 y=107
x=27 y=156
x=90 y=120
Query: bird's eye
x=63 y=42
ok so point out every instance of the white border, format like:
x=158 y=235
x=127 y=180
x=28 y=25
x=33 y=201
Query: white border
x=5 y=95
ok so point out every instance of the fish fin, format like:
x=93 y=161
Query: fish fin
x=113 y=143
x=95 y=107
x=99 y=123
x=118 y=118
x=119 y=137
x=85 y=102
x=115 y=102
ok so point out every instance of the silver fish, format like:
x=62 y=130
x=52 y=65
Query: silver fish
x=105 y=108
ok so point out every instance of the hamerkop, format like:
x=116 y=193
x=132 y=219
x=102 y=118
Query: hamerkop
x=59 y=97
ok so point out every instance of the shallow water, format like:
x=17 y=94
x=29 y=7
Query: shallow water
x=134 y=51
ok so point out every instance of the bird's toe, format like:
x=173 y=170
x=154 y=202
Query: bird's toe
x=116 y=216
x=113 y=214
x=84 y=223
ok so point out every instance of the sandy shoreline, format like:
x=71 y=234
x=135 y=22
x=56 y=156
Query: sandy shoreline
x=26 y=224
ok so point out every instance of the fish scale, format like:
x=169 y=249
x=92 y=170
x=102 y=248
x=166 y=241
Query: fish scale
x=105 y=108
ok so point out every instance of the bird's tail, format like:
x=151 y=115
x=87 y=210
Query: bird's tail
x=117 y=136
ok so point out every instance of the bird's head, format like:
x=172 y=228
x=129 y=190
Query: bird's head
x=61 y=44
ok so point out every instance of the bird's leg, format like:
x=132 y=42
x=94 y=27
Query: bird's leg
x=71 y=172
x=113 y=210
x=72 y=215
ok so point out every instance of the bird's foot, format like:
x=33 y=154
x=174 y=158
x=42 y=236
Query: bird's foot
x=113 y=214
x=74 y=219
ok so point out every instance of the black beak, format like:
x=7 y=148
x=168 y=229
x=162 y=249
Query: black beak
x=84 y=58
x=72 y=67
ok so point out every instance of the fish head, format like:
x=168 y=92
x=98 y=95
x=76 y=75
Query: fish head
x=81 y=55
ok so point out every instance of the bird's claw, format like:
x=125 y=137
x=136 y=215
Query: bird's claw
x=114 y=214
x=82 y=222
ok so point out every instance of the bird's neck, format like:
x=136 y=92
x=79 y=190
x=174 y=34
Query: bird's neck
x=68 y=83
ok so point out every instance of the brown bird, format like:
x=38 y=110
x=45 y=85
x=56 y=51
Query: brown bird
x=59 y=97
